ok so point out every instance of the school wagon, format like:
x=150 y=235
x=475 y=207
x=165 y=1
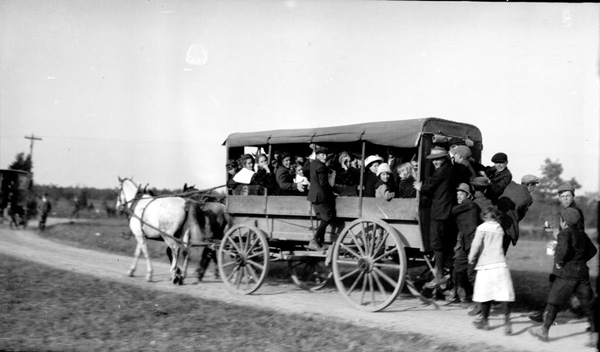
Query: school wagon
x=372 y=241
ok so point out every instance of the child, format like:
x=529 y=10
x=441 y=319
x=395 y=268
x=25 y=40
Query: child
x=570 y=274
x=300 y=178
x=384 y=188
x=493 y=281
x=406 y=179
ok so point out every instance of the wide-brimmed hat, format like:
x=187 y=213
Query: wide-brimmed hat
x=500 y=158
x=570 y=216
x=383 y=168
x=437 y=152
x=566 y=187
x=529 y=179
x=372 y=158
x=465 y=188
x=481 y=181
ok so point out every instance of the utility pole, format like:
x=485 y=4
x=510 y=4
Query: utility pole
x=32 y=138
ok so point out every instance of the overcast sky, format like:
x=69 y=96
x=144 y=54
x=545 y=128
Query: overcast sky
x=151 y=89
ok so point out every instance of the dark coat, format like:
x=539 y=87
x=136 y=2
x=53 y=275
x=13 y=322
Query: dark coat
x=442 y=190
x=264 y=179
x=498 y=182
x=573 y=251
x=481 y=202
x=466 y=215
x=461 y=174
x=515 y=197
x=285 y=181
x=580 y=224
x=370 y=180
x=346 y=181
x=320 y=190
x=406 y=188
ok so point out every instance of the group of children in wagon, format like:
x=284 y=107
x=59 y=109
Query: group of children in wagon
x=474 y=218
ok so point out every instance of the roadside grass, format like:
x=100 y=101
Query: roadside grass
x=529 y=264
x=56 y=310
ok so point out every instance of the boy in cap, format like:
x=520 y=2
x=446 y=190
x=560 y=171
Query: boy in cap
x=440 y=188
x=570 y=274
x=320 y=194
x=499 y=176
x=466 y=215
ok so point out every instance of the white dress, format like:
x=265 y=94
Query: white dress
x=493 y=281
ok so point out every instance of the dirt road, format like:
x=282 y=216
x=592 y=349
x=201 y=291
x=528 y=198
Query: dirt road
x=447 y=325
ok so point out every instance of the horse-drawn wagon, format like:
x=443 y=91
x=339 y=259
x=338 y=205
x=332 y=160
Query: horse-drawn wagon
x=15 y=193
x=373 y=240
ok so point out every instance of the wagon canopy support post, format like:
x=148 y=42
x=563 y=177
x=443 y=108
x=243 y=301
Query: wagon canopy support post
x=361 y=187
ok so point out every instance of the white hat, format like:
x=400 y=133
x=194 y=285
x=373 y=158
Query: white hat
x=383 y=168
x=372 y=158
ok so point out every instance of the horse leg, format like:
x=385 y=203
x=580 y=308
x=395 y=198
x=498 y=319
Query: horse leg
x=175 y=271
x=136 y=256
x=148 y=263
x=186 y=260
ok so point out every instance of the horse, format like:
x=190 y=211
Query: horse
x=171 y=219
x=214 y=224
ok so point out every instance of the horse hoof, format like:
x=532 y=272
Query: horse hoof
x=175 y=280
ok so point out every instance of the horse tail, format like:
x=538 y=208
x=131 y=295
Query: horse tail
x=194 y=224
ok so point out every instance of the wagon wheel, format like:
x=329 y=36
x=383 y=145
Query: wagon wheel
x=243 y=258
x=369 y=264
x=309 y=273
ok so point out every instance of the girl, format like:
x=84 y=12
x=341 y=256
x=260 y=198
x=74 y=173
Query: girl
x=406 y=179
x=300 y=178
x=384 y=187
x=493 y=281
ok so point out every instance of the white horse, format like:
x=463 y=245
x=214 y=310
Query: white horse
x=171 y=219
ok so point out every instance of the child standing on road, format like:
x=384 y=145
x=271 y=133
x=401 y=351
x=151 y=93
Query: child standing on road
x=570 y=274
x=493 y=281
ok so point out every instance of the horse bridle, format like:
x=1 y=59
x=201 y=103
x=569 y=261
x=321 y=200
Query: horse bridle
x=128 y=205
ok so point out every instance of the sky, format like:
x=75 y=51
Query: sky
x=151 y=89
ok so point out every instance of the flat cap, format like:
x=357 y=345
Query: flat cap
x=463 y=150
x=565 y=187
x=500 y=158
x=481 y=181
x=528 y=179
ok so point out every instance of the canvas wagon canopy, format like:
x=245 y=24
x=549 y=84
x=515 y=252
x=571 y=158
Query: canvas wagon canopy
x=401 y=134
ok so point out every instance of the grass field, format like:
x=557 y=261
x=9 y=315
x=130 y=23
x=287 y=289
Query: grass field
x=48 y=309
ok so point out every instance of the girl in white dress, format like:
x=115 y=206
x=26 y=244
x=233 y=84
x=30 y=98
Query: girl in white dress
x=493 y=281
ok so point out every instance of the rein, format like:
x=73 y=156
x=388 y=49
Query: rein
x=130 y=205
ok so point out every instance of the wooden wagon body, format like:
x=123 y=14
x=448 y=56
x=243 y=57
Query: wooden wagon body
x=15 y=193
x=287 y=223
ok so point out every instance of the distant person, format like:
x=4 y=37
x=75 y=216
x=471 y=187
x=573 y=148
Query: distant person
x=321 y=196
x=492 y=281
x=570 y=274
x=76 y=208
x=384 y=188
x=45 y=209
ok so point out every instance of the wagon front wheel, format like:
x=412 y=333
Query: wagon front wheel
x=243 y=258
x=369 y=264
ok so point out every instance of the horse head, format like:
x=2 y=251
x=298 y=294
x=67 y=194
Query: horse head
x=128 y=190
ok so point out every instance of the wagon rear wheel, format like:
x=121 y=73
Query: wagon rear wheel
x=243 y=258
x=369 y=264
x=310 y=273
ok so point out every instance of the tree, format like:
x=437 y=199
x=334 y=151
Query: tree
x=22 y=163
x=551 y=171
